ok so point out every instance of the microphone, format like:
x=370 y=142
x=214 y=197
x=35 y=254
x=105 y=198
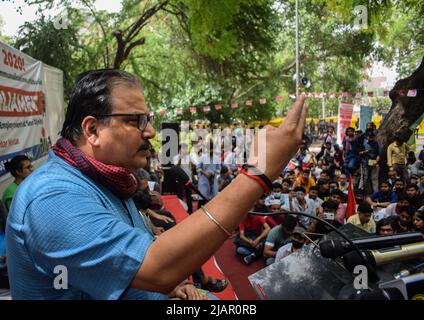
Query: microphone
x=180 y=176
x=336 y=248
x=384 y=256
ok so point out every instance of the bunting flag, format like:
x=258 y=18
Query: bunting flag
x=162 y=111
x=351 y=201
x=412 y=93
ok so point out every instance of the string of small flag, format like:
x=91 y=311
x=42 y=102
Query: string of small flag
x=316 y=95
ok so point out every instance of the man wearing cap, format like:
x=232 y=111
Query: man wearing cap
x=362 y=219
x=324 y=189
x=297 y=241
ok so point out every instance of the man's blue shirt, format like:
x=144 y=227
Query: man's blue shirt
x=60 y=217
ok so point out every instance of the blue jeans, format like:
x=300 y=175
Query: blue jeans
x=245 y=250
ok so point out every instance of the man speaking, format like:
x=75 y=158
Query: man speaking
x=75 y=212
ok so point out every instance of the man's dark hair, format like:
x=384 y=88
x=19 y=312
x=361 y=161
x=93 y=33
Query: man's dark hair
x=412 y=185
x=386 y=182
x=299 y=188
x=313 y=188
x=398 y=179
x=385 y=222
x=91 y=96
x=337 y=192
x=330 y=205
x=276 y=185
x=288 y=181
x=15 y=164
x=289 y=222
x=408 y=209
x=402 y=196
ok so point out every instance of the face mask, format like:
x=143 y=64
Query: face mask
x=329 y=216
x=277 y=195
x=296 y=244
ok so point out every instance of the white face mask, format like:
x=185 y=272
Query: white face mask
x=329 y=216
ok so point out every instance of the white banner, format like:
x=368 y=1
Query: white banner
x=31 y=107
x=344 y=119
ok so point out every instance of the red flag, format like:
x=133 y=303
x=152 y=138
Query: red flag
x=206 y=108
x=234 y=105
x=249 y=103
x=193 y=109
x=179 y=111
x=218 y=107
x=279 y=98
x=262 y=101
x=351 y=202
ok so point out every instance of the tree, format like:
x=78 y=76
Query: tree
x=405 y=111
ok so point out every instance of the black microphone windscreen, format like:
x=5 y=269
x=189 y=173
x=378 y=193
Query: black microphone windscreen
x=178 y=174
x=332 y=248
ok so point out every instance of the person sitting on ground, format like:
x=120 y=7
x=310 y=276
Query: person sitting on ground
x=421 y=184
x=304 y=180
x=343 y=183
x=382 y=198
x=19 y=167
x=363 y=219
x=298 y=239
x=403 y=222
x=275 y=194
x=324 y=189
x=225 y=178
x=393 y=209
x=385 y=227
x=313 y=195
x=392 y=176
x=413 y=195
x=162 y=220
x=274 y=207
x=299 y=203
x=338 y=197
x=278 y=237
x=418 y=220
x=399 y=187
x=251 y=239
x=328 y=213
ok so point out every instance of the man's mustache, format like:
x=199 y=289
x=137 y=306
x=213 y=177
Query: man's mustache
x=145 y=146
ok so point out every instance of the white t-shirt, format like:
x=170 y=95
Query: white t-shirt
x=284 y=251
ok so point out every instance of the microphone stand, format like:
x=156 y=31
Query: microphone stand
x=355 y=247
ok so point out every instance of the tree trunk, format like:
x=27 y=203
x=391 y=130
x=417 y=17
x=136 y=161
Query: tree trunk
x=405 y=111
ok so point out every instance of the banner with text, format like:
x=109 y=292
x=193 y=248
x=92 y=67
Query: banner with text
x=344 y=119
x=24 y=124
